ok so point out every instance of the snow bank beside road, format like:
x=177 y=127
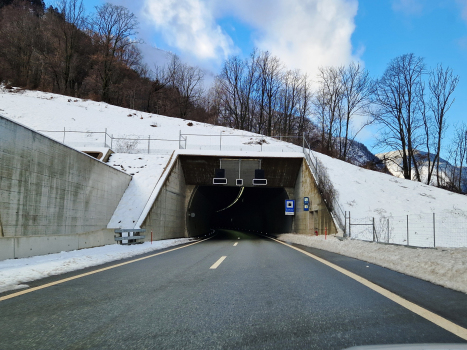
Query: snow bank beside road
x=14 y=273
x=443 y=266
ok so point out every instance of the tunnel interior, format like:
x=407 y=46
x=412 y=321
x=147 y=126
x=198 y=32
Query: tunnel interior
x=258 y=209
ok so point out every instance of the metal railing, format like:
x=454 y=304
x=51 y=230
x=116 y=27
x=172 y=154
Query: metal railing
x=319 y=172
x=130 y=144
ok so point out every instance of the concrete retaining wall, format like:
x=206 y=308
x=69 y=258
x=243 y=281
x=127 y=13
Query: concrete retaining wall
x=166 y=219
x=50 y=190
x=318 y=217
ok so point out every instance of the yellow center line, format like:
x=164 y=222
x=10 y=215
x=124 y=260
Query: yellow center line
x=26 y=291
x=428 y=315
x=217 y=263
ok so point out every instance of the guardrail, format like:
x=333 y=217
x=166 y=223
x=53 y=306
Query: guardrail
x=131 y=238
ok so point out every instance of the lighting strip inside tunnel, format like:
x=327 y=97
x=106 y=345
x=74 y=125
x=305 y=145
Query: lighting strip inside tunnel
x=235 y=201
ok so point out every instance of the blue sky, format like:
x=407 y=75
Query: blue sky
x=307 y=34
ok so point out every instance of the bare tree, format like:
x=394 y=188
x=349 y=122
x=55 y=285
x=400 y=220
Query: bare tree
x=442 y=84
x=398 y=100
x=328 y=106
x=357 y=88
x=458 y=157
x=188 y=81
x=114 y=27
x=269 y=83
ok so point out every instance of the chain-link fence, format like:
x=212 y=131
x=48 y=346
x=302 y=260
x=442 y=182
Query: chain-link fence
x=418 y=230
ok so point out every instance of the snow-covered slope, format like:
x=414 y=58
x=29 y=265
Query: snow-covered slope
x=393 y=161
x=363 y=193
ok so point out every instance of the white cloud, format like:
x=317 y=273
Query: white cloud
x=305 y=34
x=189 y=26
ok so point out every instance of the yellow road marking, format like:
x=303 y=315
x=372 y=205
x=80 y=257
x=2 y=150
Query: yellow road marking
x=13 y=295
x=428 y=315
x=217 y=263
x=235 y=244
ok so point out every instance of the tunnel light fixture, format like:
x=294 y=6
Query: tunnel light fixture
x=239 y=182
x=259 y=179
x=219 y=178
x=259 y=182
x=219 y=181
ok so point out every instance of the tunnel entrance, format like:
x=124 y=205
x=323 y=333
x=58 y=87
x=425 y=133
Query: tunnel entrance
x=258 y=209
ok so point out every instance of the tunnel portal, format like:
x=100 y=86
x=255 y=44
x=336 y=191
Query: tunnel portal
x=258 y=209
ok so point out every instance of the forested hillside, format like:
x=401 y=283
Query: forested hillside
x=63 y=49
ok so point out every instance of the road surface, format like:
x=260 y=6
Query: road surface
x=234 y=291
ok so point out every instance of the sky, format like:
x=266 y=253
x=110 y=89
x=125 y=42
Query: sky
x=307 y=34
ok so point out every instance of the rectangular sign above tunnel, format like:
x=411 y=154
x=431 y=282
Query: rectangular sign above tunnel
x=278 y=171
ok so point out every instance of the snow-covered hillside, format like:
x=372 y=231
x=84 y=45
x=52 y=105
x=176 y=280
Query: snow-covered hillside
x=448 y=172
x=365 y=194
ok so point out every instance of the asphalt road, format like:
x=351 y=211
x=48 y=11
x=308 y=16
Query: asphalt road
x=263 y=295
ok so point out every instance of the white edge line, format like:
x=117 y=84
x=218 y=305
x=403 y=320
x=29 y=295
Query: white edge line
x=426 y=314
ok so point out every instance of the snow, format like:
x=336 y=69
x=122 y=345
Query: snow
x=446 y=267
x=52 y=113
x=146 y=171
x=15 y=273
x=365 y=194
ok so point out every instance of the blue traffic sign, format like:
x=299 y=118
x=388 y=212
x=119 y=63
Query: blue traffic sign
x=289 y=207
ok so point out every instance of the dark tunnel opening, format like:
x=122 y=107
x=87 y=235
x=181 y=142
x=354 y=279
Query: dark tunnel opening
x=256 y=209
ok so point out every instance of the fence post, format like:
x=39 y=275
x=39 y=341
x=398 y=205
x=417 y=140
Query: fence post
x=63 y=135
x=149 y=143
x=179 y=139
x=345 y=224
x=388 y=230
x=374 y=233
x=349 y=226
x=105 y=138
x=407 y=230
x=111 y=140
x=434 y=231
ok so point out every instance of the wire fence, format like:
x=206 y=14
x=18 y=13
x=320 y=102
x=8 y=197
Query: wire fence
x=230 y=142
x=417 y=230
x=125 y=144
x=223 y=142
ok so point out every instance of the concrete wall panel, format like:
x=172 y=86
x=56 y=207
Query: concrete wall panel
x=318 y=218
x=47 y=188
x=166 y=219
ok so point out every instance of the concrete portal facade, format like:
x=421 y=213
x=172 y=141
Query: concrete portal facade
x=52 y=197
x=181 y=210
